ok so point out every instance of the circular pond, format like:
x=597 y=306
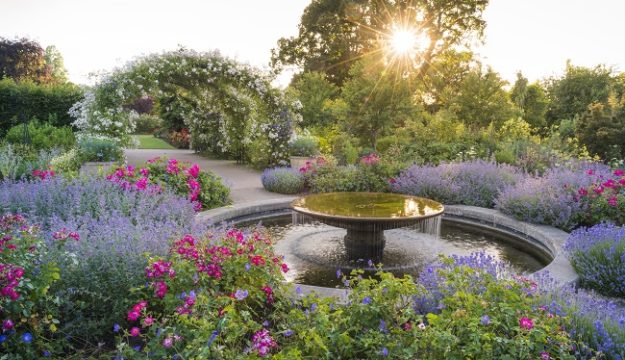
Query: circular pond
x=314 y=251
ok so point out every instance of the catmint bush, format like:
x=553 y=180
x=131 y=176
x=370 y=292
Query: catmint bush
x=116 y=226
x=598 y=256
x=551 y=199
x=283 y=180
x=475 y=183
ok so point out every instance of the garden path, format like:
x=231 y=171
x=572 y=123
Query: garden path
x=243 y=182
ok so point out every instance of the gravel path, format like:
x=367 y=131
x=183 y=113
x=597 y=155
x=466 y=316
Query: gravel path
x=244 y=182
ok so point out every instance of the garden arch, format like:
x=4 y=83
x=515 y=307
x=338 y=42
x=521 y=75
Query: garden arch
x=228 y=107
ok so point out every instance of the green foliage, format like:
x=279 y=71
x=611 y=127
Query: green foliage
x=42 y=136
x=372 y=178
x=482 y=99
x=482 y=316
x=148 y=124
x=17 y=161
x=333 y=33
x=531 y=100
x=602 y=130
x=571 y=94
x=49 y=103
x=23 y=60
x=54 y=60
x=99 y=149
x=375 y=102
x=67 y=164
x=304 y=146
x=314 y=91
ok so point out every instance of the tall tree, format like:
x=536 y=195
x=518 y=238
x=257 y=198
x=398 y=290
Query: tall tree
x=23 y=59
x=580 y=86
x=314 y=91
x=602 y=129
x=482 y=99
x=54 y=60
x=333 y=34
x=531 y=101
x=375 y=101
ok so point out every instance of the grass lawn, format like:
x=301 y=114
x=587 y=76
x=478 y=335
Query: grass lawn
x=150 y=142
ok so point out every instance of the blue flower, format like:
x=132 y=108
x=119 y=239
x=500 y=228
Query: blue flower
x=313 y=307
x=384 y=351
x=247 y=267
x=137 y=347
x=485 y=320
x=382 y=326
x=27 y=338
x=116 y=328
x=370 y=263
x=288 y=333
x=3 y=338
x=212 y=338
x=241 y=294
x=298 y=290
x=339 y=273
x=46 y=353
x=366 y=300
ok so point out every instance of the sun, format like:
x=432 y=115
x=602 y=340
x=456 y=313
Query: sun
x=403 y=42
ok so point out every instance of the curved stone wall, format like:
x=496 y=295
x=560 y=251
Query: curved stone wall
x=541 y=240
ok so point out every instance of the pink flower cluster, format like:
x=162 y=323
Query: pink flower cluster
x=65 y=234
x=262 y=342
x=160 y=172
x=43 y=174
x=136 y=312
x=311 y=166
x=10 y=276
x=606 y=188
x=526 y=323
x=370 y=159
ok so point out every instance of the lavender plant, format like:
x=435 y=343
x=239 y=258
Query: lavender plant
x=598 y=255
x=283 y=180
x=474 y=183
x=117 y=227
x=548 y=199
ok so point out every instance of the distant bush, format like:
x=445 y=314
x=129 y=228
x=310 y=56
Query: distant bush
x=283 y=180
x=99 y=149
x=43 y=136
x=598 y=255
x=147 y=124
x=475 y=183
x=49 y=103
x=17 y=161
x=304 y=146
x=362 y=177
x=67 y=164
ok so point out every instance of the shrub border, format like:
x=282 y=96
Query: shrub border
x=544 y=239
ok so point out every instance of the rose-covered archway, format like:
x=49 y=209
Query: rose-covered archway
x=229 y=108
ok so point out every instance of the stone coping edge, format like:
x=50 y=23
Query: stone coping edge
x=546 y=238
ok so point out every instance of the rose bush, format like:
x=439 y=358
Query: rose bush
x=203 y=188
x=28 y=311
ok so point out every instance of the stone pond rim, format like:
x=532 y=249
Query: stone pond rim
x=551 y=240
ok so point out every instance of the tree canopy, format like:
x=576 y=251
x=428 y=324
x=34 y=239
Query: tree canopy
x=333 y=34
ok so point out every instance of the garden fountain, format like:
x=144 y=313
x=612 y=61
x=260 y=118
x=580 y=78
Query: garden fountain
x=366 y=216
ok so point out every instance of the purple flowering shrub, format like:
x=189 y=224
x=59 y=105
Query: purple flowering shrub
x=211 y=297
x=551 y=199
x=116 y=228
x=28 y=312
x=475 y=183
x=598 y=256
x=597 y=323
x=283 y=180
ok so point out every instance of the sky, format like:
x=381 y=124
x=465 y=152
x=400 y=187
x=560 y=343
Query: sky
x=534 y=36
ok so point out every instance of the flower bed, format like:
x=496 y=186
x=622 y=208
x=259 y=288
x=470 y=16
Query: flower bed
x=116 y=228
